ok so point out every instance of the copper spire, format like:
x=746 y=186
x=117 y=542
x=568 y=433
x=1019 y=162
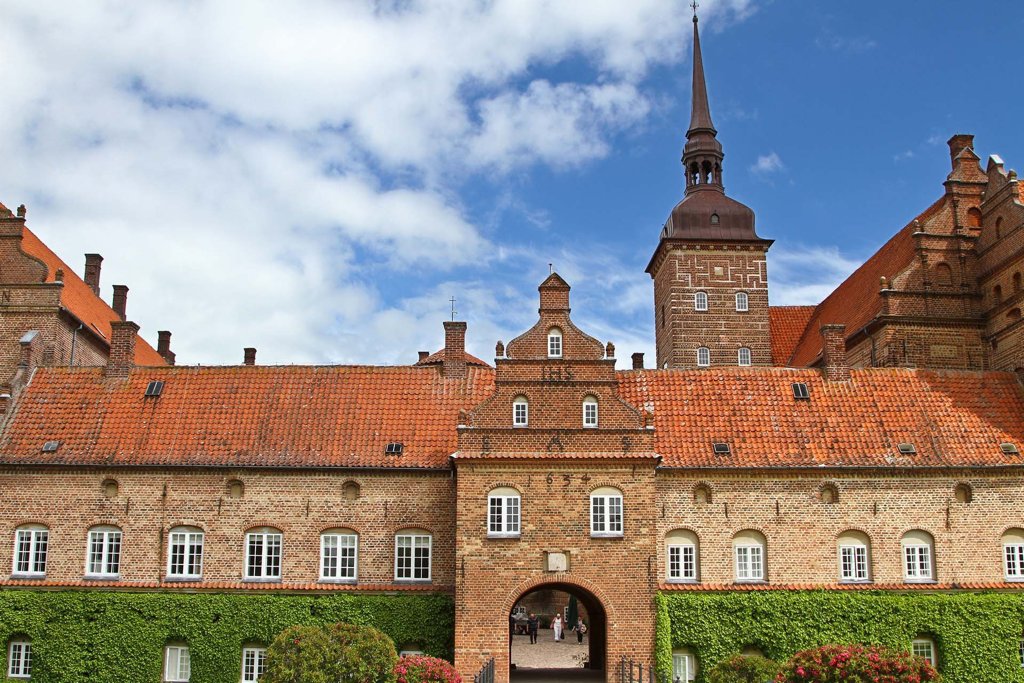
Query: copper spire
x=700 y=112
x=702 y=155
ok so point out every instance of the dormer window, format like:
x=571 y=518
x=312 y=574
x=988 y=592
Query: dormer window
x=554 y=343
x=520 y=412
x=700 y=301
x=742 y=302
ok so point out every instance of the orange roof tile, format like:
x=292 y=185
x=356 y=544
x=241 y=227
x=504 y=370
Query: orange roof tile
x=262 y=416
x=746 y=587
x=954 y=418
x=437 y=358
x=787 y=325
x=78 y=298
x=192 y=586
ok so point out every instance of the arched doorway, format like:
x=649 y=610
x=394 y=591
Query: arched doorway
x=548 y=659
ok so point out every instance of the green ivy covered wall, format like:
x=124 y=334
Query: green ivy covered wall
x=116 y=637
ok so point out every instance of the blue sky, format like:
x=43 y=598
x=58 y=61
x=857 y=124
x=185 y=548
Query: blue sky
x=317 y=180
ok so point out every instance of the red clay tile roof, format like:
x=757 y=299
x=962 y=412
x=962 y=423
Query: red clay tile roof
x=437 y=358
x=192 y=586
x=78 y=298
x=954 y=418
x=262 y=416
x=787 y=325
x=857 y=300
x=726 y=587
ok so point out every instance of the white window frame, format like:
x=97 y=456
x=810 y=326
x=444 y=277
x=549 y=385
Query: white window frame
x=417 y=541
x=700 y=301
x=1013 y=561
x=590 y=412
x=854 y=564
x=742 y=302
x=607 y=513
x=103 y=552
x=924 y=647
x=267 y=565
x=555 y=349
x=520 y=412
x=177 y=664
x=254 y=663
x=918 y=563
x=703 y=357
x=337 y=568
x=749 y=556
x=191 y=541
x=19 y=659
x=504 y=514
x=681 y=561
x=684 y=667
x=740 y=353
x=31 y=547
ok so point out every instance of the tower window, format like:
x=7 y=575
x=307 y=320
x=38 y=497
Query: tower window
x=743 y=356
x=703 y=357
x=742 y=301
x=700 y=301
x=554 y=343
x=715 y=219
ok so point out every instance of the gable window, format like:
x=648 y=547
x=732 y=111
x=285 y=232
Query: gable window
x=1013 y=555
x=742 y=302
x=254 y=663
x=748 y=547
x=924 y=648
x=590 y=412
x=30 y=546
x=339 y=555
x=681 y=555
x=854 y=563
x=700 y=301
x=177 y=664
x=703 y=357
x=743 y=356
x=263 y=554
x=103 y=555
x=19 y=659
x=684 y=666
x=185 y=553
x=554 y=343
x=520 y=412
x=412 y=555
x=606 y=512
x=503 y=506
x=918 y=565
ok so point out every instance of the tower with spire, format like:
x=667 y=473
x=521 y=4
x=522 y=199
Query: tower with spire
x=710 y=267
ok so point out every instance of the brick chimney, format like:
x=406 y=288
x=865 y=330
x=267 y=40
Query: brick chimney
x=833 y=353
x=638 y=361
x=959 y=143
x=454 y=349
x=122 y=348
x=92 y=272
x=120 y=301
x=422 y=356
x=250 y=355
x=163 y=346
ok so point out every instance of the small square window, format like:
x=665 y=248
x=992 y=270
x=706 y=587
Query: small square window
x=721 y=448
x=907 y=448
x=154 y=389
x=394 y=448
x=1009 y=448
x=801 y=392
x=51 y=446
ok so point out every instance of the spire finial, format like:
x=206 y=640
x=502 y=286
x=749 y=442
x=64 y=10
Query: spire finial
x=694 y=5
x=454 y=312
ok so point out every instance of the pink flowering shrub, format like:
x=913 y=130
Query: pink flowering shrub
x=423 y=669
x=856 y=664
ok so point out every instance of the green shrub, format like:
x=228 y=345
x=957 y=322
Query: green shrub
x=854 y=663
x=743 y=669
x=364 y=654
x=300 y=654
x=423 y=669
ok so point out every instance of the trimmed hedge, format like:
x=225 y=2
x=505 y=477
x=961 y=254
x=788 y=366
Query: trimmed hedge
x=115 y=637
x=977 y=635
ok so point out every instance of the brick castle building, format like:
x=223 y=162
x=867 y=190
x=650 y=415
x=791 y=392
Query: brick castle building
x=869 y=443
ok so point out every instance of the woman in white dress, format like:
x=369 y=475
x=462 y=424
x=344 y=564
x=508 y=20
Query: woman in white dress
x=556 y=626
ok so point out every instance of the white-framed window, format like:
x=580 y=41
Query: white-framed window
x=924 y=647
x=918 y=564
x=742 y=302
x=339 y=555
x=590 y=411
x=749 y=554
x=743 y=356
x=254 y=663
x=854 y=557
x=504 y=506
x=185 y=553
x=19 y=658
x=103 y=552
x=30 y=545
x=412 y=555
x=554 y=343
x=177 y=664
x=703 y=357
x=681 y=556
x=263 y=554
x=606 y=512
x=1013 y=555
x=1020 y=650
x=684 y=666
x=520 y=412
x=700 y=301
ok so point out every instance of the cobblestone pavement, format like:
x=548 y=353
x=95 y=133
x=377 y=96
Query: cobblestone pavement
x=547 y=654
x=556 y=675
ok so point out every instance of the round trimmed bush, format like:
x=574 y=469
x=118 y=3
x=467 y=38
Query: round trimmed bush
x=856 y=663
x=423 y=669
x=365 y=654
x=342 y=652
x=744 y=669
x=299 y=654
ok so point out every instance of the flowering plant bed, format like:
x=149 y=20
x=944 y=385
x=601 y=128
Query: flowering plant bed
x=423 y=669
x=856 y=664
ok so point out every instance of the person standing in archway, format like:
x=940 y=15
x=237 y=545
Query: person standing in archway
x=556 y=626
x=532 y=623
x=581 y=628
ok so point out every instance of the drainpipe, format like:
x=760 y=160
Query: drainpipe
x=74 y=338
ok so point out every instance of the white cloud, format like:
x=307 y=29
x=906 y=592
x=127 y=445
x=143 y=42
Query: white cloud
x=903 y=156
x=803 y=275
x=767 y=164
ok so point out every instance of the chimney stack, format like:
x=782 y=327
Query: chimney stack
x=959 y=143
x=833 y=353
x=454 y=349
x=163 y=346
x=250 y=355
x=122 y=348
x=423 y=355
x=120 y=301
x=92 y=272
x=638 y=361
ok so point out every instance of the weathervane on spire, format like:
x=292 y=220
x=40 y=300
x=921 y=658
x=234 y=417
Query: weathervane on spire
x=452 y=300
x=694 y=5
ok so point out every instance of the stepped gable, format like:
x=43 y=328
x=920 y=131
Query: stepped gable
x=787 y=327
x=79 y=299
x=260 y=416
x=953 y=418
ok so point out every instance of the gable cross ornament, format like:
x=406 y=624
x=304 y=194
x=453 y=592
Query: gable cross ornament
x=452 y=300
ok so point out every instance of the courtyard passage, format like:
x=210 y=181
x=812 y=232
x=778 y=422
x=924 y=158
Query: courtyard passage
x=547 y=654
